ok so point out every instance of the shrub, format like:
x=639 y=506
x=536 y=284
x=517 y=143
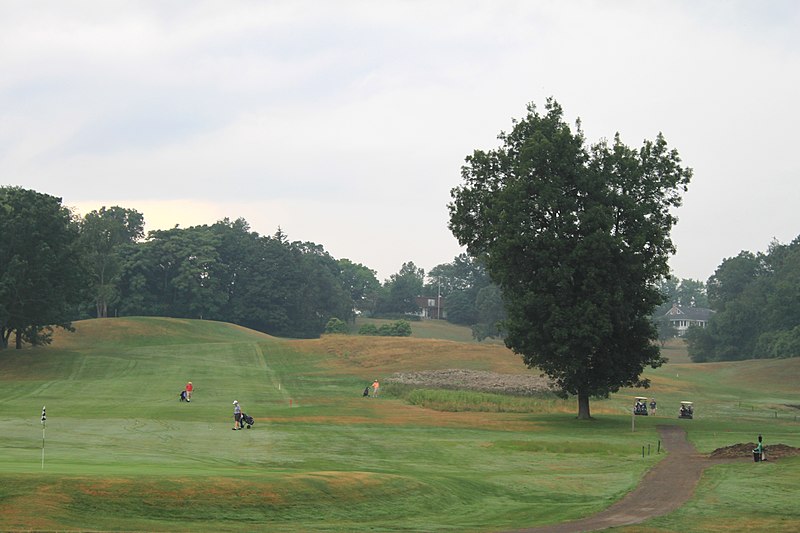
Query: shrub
x=336 y=325
x=368 y=329
x=401 y=328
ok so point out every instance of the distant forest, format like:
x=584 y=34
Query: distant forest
x=757 y=302
x=56 y=268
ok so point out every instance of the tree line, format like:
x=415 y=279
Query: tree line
x=756 y=297
x=56 y=267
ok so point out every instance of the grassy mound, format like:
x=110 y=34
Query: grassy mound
x=148 y=331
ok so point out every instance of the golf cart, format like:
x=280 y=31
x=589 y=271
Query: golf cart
x=687 y=410
x=640 y=407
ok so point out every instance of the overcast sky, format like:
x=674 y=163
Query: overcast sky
x=346 y=123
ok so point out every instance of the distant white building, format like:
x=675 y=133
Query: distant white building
x=682 y=318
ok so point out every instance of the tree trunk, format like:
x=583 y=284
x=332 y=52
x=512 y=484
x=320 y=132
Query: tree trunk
x=18 y=335
x=583 y=406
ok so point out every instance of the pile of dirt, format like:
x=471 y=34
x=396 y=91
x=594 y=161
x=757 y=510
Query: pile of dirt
x=772 y=451
x=476 y=380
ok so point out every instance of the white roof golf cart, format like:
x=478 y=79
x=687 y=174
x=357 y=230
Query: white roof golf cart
x=640 y=407
x=687 y=410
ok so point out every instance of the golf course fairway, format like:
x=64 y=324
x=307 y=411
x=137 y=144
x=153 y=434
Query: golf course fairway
x=120 y=452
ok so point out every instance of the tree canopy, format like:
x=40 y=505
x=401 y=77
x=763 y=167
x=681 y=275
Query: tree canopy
x=757 y=299
x=577 y=237
x=55 y=268
x=103 y=233
x=41 y=274
x=227 y=272
x=471 y=298
x=399 y=293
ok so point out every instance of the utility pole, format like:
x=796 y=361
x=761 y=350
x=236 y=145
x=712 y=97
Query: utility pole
x=439 y=299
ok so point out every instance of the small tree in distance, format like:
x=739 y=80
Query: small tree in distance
x=577 y=238
x=336 y=326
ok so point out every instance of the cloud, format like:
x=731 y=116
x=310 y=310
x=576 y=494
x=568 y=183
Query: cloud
x=347 y=122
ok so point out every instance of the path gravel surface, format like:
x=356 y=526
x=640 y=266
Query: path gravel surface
x=666 y=487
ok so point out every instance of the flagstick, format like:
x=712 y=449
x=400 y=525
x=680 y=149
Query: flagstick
x=44 y=426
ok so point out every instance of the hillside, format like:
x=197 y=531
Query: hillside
x=365 y=354
x=149 y=331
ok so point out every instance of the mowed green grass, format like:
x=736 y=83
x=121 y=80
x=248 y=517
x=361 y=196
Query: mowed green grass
x=121 y=453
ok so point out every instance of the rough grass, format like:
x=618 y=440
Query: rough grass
x=373 y=357
x=464 y=400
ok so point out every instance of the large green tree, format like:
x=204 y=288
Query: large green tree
x=577 y=237
x=41 y=278
x=317 y=292
x=459 y=283
x=362 y=284
x=400 y=291
x=103 y=234
x=175 y=273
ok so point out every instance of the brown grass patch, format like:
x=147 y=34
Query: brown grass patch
x=371 y=357
x=393 y=413
x=721 y=524
x=117 y=330
x=178 y=490
x=33 y=512
x=109 y=329
x=341 y=480
x=663 y=384
x=397 y=413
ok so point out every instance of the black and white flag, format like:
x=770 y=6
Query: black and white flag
x=44 y=416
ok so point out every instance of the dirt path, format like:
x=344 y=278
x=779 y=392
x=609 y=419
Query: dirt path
x=662 y=490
